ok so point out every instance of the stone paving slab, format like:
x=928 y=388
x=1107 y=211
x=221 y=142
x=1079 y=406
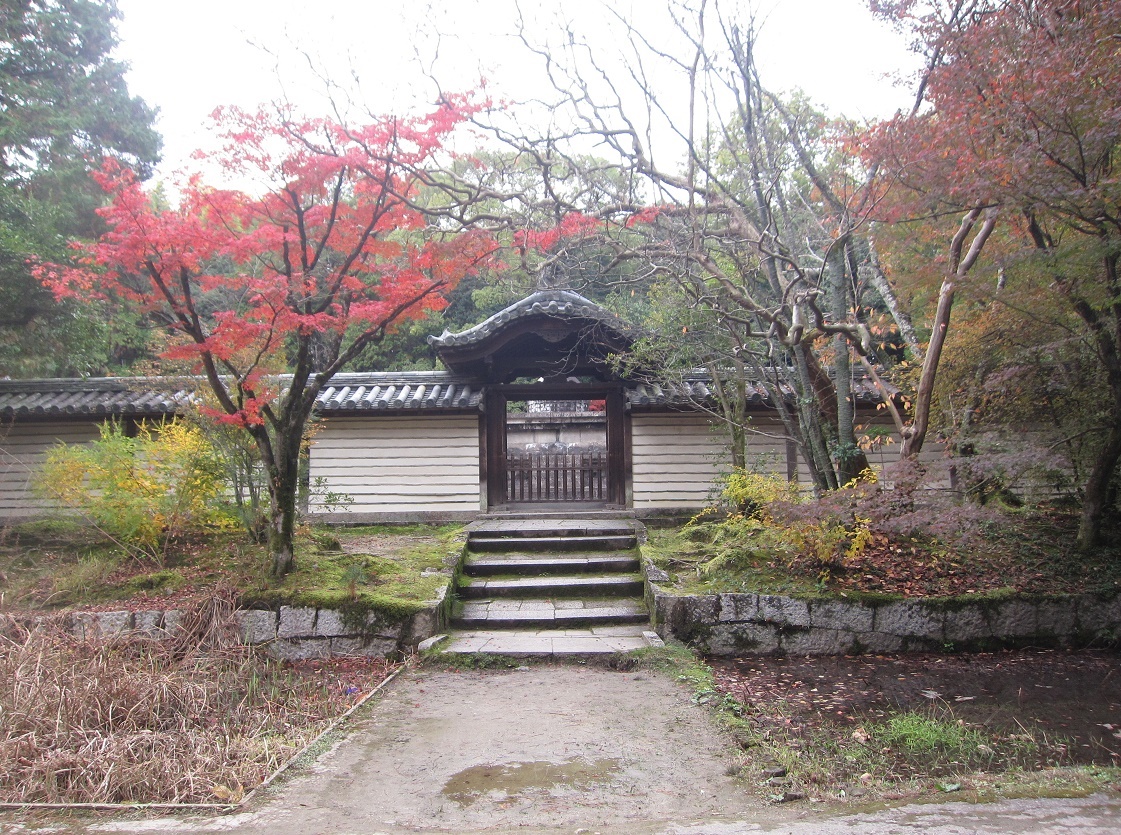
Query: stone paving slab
x=599 y=585
x=487 y=607
x=552 y=642
x=533 y=526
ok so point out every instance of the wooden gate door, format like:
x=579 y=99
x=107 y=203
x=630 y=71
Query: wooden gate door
x=545 y=476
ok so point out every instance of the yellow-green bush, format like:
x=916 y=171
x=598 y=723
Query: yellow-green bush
x=766 y=517
x=751 y=494
x=144 y=491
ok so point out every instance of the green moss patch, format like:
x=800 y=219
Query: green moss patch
x=390 y=571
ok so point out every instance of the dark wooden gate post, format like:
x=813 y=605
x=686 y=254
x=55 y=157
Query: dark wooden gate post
x=496 y=448
x=616 y=449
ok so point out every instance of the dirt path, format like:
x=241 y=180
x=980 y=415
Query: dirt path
x=556 y=746
x=556 y=749
x=552 y=748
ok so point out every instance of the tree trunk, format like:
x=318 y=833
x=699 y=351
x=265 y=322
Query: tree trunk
x=960 y=264
x=915 y=434
x=1107 y=342
x=1096 y=498
x=809 y=423
x=281 y=541
x=284 y=476
x=850 y=458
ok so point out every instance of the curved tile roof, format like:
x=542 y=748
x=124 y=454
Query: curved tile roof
x=104 y=397
x=408 y=391
x=417 y=390
x=696 y=388
x=554 y=303
x=96 y=397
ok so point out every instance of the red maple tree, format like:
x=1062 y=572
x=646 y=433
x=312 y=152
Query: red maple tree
x=1019 y=120
x=271 y=293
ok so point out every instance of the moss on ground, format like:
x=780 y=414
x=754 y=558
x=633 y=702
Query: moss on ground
x=391 y=571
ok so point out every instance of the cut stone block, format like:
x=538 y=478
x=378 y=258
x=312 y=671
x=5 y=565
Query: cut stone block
x=876 y=642
x=329 y=624
x=1055 y=617
x=420 y=626
x=372 y=648
x=300 y=649
x=113 y=624
x=736 y=638
x=1096 y=615
x=700 y=608
x=652 y=639
x=84 y=625
x=428 y=643
x=783 y=611
x=1014 y=619
x=296 y=621
x=257 y=625
x=739 y=607
x=817 y=642
x=172 y=620
x=838 y=614
x=149 y=623
x=910 y=618
x=970 y=623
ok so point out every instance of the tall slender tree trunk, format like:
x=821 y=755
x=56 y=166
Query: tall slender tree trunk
x=1106 y=328
x=960 y=264
x=282 y=528
x=1095 y=501
x=281 y=454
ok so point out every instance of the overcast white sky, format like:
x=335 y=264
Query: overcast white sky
x=189 y=56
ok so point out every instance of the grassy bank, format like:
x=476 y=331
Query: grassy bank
x=54 y=565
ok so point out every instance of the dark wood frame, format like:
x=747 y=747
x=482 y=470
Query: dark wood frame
x=492 y=459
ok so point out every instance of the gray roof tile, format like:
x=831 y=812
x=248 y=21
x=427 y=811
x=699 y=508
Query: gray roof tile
x=561 y=304
x=153 y=397
x=408 y=391
x=388 y=391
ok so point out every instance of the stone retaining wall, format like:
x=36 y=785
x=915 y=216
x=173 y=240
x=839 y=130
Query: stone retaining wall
x=290 y=634
x=728 y=624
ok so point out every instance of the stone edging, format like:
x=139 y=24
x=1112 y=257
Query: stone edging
x=728 y=624
x=292 y=633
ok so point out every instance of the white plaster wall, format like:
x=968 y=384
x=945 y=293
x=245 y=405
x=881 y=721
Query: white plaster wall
x=23 y=446
x=399 y=464
x=676 y=458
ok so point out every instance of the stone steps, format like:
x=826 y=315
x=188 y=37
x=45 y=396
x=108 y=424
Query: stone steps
x=551 y=586
x=554 y=643
x=593 y=585
x=542 y=612
x=552 y=543
x=540 y=564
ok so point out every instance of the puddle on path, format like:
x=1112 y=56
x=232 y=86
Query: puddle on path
x=507 y=781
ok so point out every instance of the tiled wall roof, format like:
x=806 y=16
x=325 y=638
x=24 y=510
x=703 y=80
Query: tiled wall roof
x=419 y=391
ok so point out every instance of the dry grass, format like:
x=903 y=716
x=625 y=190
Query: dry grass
x=199 y=718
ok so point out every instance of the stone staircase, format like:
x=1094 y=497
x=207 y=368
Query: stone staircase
x=551 y=585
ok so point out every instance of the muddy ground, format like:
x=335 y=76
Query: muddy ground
x=1071 y=699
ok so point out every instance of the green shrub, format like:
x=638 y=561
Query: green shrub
x=144 y=491
x=767 y=516
x=752 y=494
